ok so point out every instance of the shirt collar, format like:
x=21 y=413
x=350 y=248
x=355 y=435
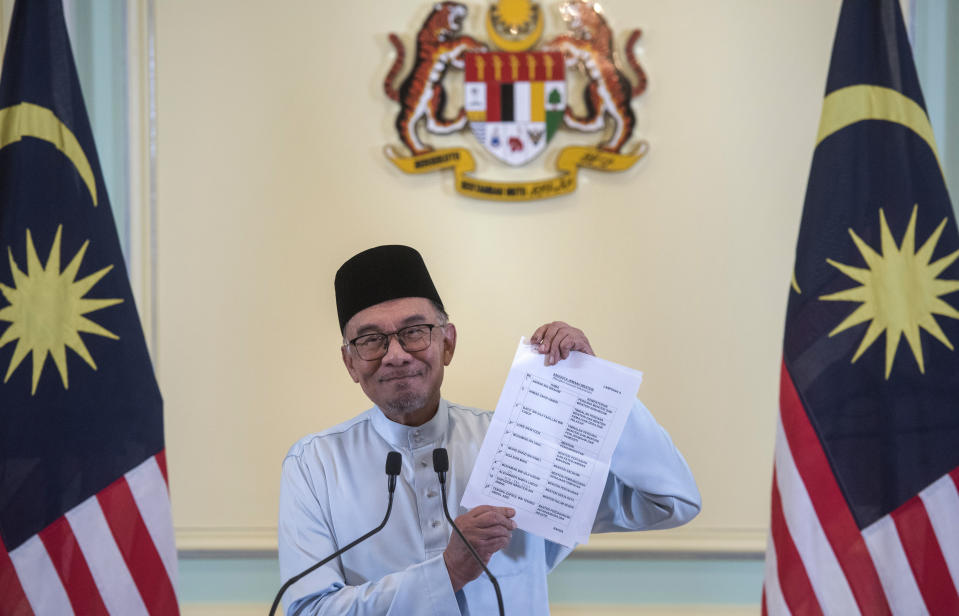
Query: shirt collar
x=433 y=432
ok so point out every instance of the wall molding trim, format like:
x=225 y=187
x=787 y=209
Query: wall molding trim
x=202 y=542
x=557 y=609
x=226 y=541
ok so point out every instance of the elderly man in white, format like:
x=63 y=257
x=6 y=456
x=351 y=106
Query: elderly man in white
x=397 y=342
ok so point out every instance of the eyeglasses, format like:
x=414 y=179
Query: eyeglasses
x=412 y=338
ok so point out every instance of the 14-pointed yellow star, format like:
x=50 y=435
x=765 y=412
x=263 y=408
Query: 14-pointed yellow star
x=46 y=310
x=900 y=291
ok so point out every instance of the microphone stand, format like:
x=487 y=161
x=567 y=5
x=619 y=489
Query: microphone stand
x=441 y=466
x=393 y=469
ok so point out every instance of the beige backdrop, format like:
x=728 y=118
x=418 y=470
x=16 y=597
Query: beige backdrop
x=272 y=121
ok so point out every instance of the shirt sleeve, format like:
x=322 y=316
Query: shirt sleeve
x=305 y=538
x=649 y=485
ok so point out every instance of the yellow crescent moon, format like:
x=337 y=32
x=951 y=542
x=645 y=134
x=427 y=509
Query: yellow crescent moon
x=29 y=120
x=853 y=104
x=510 y=45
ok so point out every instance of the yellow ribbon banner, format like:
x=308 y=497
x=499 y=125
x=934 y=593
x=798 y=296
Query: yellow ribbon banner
x=569 y=160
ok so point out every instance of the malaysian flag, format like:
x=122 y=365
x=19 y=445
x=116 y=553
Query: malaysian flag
x=865 y=508
x=85 y=525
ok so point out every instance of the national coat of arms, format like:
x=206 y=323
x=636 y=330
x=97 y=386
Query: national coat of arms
x=515 y=98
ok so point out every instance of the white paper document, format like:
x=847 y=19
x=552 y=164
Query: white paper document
x=548 y=448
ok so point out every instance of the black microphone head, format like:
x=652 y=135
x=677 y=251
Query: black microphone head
x=394 y=461
x=441 y=462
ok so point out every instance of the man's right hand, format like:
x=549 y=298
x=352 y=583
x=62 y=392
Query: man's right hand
x=488 y=529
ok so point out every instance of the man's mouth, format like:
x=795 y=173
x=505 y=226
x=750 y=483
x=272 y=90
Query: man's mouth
x=399 y=377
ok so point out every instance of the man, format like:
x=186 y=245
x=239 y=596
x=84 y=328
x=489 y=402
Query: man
x=397 y=343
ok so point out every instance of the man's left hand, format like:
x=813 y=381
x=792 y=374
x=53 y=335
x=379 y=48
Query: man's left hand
x=555 y=340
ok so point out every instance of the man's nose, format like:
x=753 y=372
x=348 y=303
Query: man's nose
x=395 y=353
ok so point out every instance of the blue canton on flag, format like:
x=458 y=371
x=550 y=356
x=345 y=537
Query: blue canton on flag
x=865 y=507
x=85 y=524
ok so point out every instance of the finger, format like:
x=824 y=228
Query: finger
x=563 y=342
x=537 y=336
x=486 y=509
x=488 y=531
x=491 y=519
x=495 y=546
x=469 y=518
x=493 y=532
x=480 y=537
x=492 y=544
x=587 y=348
x=549 y=334
x=543 y=337
x=581 y=343
x=475 y=511
x=502 y=543
x=498 y=543
x=549 y=330
x=574 y=340
x=546 y=348
x=489 y=544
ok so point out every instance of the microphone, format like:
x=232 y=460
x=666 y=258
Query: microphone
x=441 y=464
x=393 y=463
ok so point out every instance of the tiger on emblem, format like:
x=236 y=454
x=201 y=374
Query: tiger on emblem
x=421 y=95
x=609 y=91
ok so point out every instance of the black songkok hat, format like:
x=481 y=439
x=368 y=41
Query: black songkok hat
x=379 y=275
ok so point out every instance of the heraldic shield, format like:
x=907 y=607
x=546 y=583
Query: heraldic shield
x=514 y=101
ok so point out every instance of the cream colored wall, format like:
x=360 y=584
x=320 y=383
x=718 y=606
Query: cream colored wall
x=272 y=121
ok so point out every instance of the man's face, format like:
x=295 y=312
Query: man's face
x=406 y=386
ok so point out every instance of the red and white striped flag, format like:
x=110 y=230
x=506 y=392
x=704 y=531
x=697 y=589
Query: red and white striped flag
x=85 y=523
x=111 y=554
x=865 y=507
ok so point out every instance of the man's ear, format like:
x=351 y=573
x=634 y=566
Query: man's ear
x=348 y=362
x=449 y=343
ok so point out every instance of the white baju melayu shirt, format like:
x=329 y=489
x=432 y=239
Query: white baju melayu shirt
x=334 y=490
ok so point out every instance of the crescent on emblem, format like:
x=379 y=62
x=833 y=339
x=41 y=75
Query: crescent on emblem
x=29 y=120
x=514 y=45
x=853 y=104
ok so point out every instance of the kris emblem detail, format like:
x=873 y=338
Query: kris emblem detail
x=515 y=99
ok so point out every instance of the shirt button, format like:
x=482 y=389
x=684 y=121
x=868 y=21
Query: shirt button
x=416 y=432
x=424 y=463
x=435 y=523
x=430 y=493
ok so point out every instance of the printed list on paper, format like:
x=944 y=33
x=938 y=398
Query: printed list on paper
x=548 y=448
